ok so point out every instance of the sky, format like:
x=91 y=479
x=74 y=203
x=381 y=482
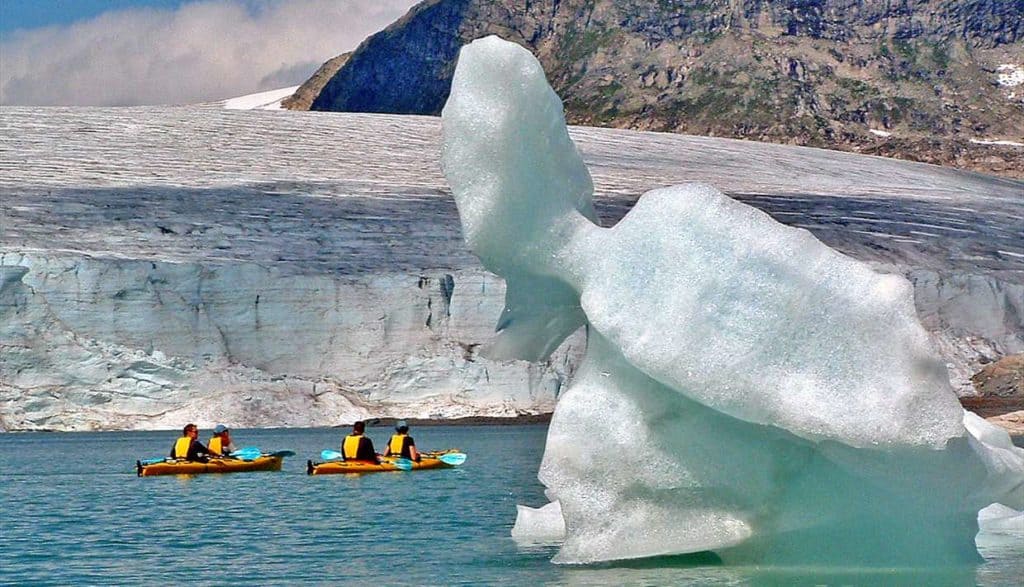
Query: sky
x=136 y=52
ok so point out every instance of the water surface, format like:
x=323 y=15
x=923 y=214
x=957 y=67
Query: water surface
x=74 y=512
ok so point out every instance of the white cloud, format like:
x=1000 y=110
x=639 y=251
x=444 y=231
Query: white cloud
x=201 y=51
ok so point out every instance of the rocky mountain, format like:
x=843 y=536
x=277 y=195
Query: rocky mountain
x=303 y=97
x=937 y=81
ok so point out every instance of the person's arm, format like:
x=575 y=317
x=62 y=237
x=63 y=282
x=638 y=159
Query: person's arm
x=387 y=448
x=198 y=452
x=173 y=446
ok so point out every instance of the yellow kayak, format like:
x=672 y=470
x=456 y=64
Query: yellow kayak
x=181 y=467
x=441 y=460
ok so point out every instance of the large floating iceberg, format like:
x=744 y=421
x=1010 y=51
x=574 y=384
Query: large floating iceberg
x=746 y=389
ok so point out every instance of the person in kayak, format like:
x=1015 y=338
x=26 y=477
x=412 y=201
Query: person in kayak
x=401 y=444
x=188 y=446
x=220 y=443
x=357 y=447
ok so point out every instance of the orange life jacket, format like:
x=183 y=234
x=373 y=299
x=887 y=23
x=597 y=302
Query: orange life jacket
x=396 y=444
x=215 y=446
x=350 y=448
x=181 y=447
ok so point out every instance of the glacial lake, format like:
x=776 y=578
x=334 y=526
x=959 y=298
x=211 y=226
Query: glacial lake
x=73 y=511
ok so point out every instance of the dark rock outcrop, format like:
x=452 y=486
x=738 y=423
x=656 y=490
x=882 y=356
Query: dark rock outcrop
x=922 y=74
x=303 y=97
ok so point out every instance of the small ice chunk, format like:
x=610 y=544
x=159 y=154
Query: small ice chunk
x=539 y=525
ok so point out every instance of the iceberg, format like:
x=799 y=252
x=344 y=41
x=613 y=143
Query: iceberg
x=746 y=389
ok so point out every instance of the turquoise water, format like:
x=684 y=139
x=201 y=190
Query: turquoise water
x=74 y=512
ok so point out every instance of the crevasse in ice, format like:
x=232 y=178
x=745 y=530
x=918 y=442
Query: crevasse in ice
x=746 y=389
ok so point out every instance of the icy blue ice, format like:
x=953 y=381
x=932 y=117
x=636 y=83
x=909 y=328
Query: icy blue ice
x=746 y=389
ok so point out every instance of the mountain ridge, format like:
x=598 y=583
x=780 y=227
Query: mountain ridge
x=916 y=80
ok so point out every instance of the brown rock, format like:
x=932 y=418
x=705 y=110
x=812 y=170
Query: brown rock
x=1000 y=399
x=1012 y=422
x=310 y=89
x=1003 y=378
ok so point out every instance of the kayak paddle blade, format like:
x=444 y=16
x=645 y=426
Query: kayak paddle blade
x=248 y=453
x=453 y=458
x=330 y=455
x=403 y=464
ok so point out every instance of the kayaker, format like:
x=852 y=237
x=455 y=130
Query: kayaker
x=357 y=447
x=401 y=444
x=220 y=443
x=188 y=446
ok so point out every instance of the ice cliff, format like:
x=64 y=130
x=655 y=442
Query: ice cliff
x=292 y=268
x=745 y=390
x=148 y=345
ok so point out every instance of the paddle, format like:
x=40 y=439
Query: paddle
x=248 y=453
x=403 y=464
x=453 y=458
x=251 y=453
x=333 y=455
x=154 y=461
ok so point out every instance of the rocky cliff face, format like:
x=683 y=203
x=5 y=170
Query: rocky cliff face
x=919 y=80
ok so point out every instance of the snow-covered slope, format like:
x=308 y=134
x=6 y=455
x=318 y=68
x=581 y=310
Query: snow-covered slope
x=269 y=100
x=293 y=268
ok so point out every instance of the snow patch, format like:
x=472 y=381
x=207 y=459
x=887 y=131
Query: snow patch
x=997 y=142
x=880 y=133
x=270 y=100
x=1010 y=75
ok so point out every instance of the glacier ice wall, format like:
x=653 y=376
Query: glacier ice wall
x=745 y=388
x=120 y=343
x=96 y=202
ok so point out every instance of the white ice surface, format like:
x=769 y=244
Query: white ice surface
x=1010 y=75
x=122 y=215
x=997 y=142
x=269 y=100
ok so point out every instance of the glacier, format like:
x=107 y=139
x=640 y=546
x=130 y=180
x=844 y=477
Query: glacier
x=745 y=389
x=279 y=268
